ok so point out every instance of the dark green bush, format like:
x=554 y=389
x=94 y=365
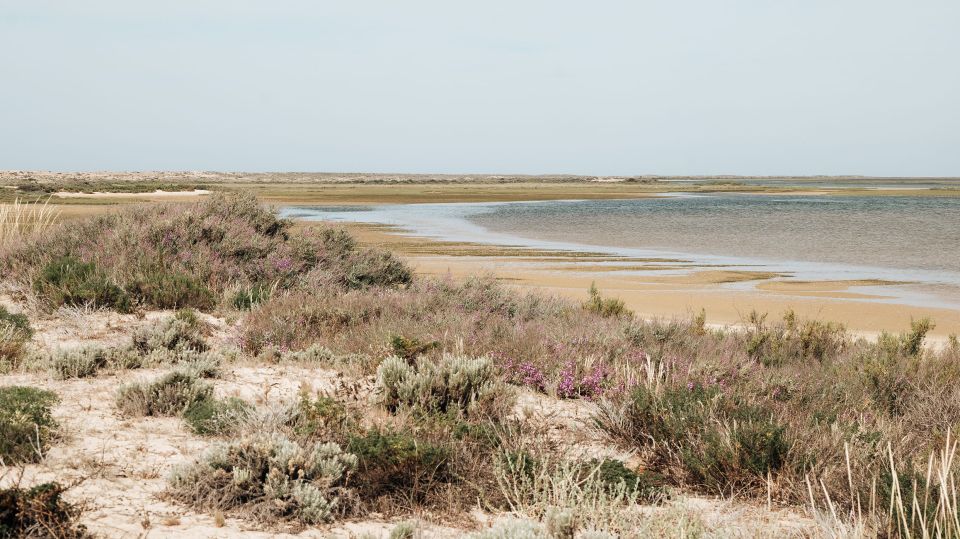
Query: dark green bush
x=26 y=424
x=612 y=472
x=719 y=443
x=166 y=289
x=68 y=281
x=607 y=307
x=410 y=348
x=248 y=298
x=15 y=320
x=376 y=268
x=391 y=462
x=212 y=417
x=38 y=511
x=322 y=418
x=15 y=331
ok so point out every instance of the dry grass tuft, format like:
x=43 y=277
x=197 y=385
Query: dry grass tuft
x=20 y=220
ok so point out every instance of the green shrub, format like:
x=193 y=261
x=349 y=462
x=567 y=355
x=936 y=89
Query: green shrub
x=322 y=418
x=607 y=307
x=410 y=349
x=212 y=417
x=457 y=385
x=718 y=443
x=38 y=511
x=376 y=268
x=612 y=473
x=15 y=331
x=248 y=298
x=793 y=341
x=404 y=530
x=390 y=462
x=913 y=341
x=68 y=281
x=18 y=321
x=166 y=289
x=170 y=395
x=269 y=478
x=26 y=425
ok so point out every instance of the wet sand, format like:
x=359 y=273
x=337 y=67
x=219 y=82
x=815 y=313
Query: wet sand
x=666 y=296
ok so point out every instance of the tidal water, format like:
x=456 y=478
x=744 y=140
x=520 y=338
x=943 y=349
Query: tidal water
x=899 y=238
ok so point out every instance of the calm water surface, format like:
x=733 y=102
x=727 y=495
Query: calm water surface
x=890 y=232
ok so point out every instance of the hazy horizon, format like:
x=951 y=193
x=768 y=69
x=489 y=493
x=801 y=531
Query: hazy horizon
x=695 y=88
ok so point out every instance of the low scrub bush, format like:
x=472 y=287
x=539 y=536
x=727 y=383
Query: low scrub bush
x=568 y=496
x=15 y=331
x=215 y=417
x=455 y=385
x=410 y=348
x=68 y=281
x=38 y=511
x=793 y=340
x=182 y=332
x=269 y=478
x=323 y=418
x=391 y=462
x=87 y=360
x=170 y=395
x=605 y=306
x=190 y=255
x=612 y=473
x=712 y=440
x=27 y=426
x=249 y=297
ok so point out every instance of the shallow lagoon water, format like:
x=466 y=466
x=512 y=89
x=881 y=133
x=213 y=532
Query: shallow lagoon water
x=912 y=239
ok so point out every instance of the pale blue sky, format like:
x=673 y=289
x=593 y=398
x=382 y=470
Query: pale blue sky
x=599 y=87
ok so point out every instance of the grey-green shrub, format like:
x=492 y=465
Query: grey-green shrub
x=270 y=476
x=404 y=530
x=182 y=332
x=514 y=528
x=87 y=360
x=455 y=384
x=170 y=395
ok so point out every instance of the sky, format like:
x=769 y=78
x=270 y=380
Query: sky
x=673 y=87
